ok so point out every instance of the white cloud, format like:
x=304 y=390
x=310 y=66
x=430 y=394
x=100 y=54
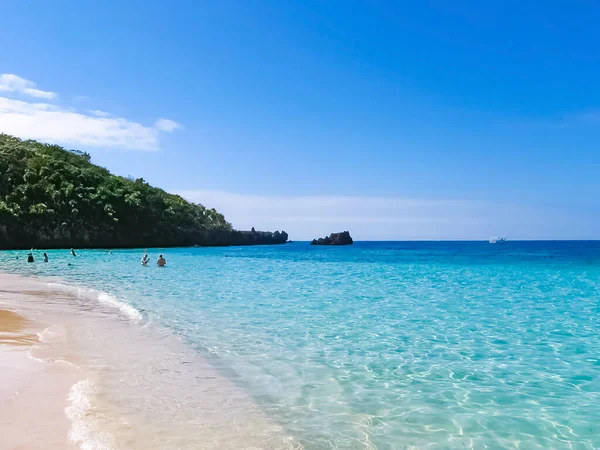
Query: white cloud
x=166 y=125
x=392 y=218
x=14 y=83
x=64 y=125
x=53 y=124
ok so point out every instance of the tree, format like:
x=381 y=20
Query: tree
x=45 y=187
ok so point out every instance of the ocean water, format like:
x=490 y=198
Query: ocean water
x=386 y=345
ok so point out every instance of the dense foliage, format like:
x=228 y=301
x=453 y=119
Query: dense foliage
x=52 y=197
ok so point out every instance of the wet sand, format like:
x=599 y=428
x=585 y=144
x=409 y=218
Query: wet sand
x=33 y=394
x=13 y=330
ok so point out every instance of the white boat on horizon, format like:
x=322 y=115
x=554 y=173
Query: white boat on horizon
x=497 y=240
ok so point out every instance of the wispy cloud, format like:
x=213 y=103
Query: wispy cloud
x=13 y=83
x=53 y=124
x=81 y=98
x=98 y=113
x=166 y=125
x=64 y=125
x=381 y=218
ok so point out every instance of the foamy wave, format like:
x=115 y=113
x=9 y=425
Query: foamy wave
x=80 y=413
x=35 y=358
x=52 y=361
x=126 y=309
x=52 y=334
x=133 y=314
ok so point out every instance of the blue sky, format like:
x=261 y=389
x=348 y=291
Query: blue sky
x=396 y=120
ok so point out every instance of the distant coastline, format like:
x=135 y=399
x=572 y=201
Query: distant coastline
x=202 y=238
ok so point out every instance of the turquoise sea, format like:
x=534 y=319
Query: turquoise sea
x=385 y=345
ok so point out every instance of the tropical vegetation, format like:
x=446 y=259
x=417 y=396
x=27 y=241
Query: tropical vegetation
x=52 y=197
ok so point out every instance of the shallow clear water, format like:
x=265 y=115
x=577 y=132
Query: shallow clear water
x=380 y=345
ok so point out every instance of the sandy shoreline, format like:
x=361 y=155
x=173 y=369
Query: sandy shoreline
x=78 y=371
x=33 y=393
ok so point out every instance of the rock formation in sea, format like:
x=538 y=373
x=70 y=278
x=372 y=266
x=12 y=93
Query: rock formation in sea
x=342 y=238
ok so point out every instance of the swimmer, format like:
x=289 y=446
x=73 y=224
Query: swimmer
x=30 y=257
x=45 y=257
x=161 y=261
x=73 y=252
x=145 y=260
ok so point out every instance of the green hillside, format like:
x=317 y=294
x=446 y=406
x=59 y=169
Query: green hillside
x=52 y=197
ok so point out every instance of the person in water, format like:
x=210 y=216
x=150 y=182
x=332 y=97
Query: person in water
x=30 y=257
x=161 y=261
x=45 y=257
x=145 y=259
x=73 y=252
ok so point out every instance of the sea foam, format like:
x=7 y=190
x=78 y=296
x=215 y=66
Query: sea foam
x=103 y=297
x=126 y=309
x=81 y=412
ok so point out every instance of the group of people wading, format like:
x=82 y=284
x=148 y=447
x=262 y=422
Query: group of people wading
x=160 y=262
x=31 y=259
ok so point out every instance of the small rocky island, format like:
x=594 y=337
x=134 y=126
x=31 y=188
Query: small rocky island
x=342 y=238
